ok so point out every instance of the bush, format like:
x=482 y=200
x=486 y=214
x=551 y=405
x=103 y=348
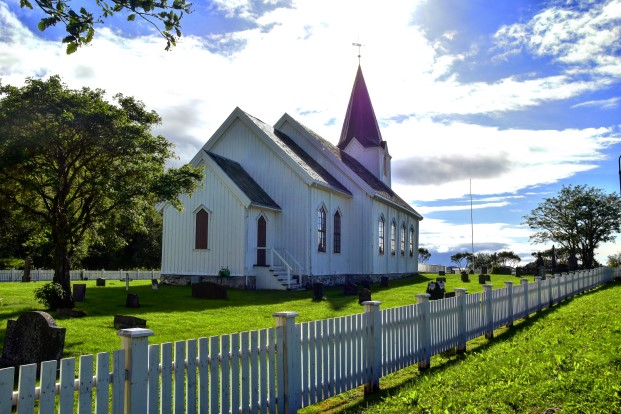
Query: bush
x=11 y=263
x=51 y=295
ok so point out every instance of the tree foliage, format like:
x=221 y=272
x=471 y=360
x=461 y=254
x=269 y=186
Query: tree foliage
x=423 y=255
x=80 y=23
x=458 y=258
x=579 y=218
x=79 y=167
x=614 y=260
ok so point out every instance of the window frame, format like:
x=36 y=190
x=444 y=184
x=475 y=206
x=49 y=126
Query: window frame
x=336 y=232
x=201 y=228
x=321 y=230
x=381 y=234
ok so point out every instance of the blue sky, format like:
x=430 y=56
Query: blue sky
x=517 y=97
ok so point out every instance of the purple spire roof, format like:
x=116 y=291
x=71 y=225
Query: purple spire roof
x=360 y=121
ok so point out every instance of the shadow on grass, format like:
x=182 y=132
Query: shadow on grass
x=448 y=360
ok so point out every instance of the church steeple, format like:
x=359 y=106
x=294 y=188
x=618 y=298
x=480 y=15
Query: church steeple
x=360 y=121
x=361 y=137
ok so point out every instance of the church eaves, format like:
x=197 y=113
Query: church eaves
x=360 y=121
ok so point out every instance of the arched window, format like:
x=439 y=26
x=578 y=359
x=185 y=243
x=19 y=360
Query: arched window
x=337 y=233
x=381 y=235
x=321 y=230
x=393 y=238
x=411 y=241
x=202 y=229
x=403 y=231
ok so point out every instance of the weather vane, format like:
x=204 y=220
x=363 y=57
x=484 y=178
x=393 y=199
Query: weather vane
x=359 y=45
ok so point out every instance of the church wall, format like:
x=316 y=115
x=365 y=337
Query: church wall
x=226 y=235
x=290 y=229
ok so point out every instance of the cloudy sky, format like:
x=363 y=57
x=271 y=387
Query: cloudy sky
x=512 y=99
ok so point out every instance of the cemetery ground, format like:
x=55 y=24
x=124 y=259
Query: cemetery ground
x=563 y=359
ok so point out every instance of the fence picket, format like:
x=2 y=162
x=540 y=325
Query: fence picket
x=67 y=373
x=245 y=373
x=235 y=378
x=225 y=373
x=85 y=392
x=190 y=378
x=166 y=398
x=154 y=379
x=26 y=388
x=47 y=385
x=203 y=375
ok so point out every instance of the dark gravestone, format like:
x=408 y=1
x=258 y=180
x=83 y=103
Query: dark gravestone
x=464 y=277
x=488 y=278
x=208 y=290
x=384 y=281
x=126 y=322
x=350 y=289
x=79 y=292
x=364 y=295
x=449 y=295
x=436 y=290
x=317 y=292
x=27 y=264
x=482 y=279
x=32 y=338
x=101 y=281
x=441 y=273
x=132 y=301
x=155 y=284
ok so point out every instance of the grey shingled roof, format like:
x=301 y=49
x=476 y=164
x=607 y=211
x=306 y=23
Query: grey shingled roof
x=381 y=189
x=300 y=157
x=244 y=181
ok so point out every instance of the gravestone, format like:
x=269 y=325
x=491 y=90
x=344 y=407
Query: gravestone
x=79 y=292
x=482 y=279
x=132 y=301
x=488 y=278
x=317 y=292
x=449 y=295
x=364 y=295
x=155 y=285
x=101 y=281
x=208 y=290
x=441 y=273
x=126 y=322
x=436 y=290
x=464 y=277
x=27 y=265
x=32 y=338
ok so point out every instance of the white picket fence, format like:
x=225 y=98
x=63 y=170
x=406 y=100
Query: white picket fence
x=14 y=275
x=283 y=368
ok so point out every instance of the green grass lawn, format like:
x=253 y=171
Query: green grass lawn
x=173 y=314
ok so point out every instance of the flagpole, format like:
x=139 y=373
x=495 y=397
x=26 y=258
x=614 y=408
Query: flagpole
x=471 y=226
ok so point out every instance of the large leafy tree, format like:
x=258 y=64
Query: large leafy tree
x=423 y=255
x=80 y=22
x=79 y=166
x=579 y=218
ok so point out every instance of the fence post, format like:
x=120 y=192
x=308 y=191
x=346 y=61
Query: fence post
x=559 y=296
x=424 y=331
x=538 y=284
x=510 y=318
x=373 y=347
x=488 y=311
x=288 y=350
x=135 y=343
x=524 y=282
x=460 y=293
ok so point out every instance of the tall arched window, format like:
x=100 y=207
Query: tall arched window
x=403 y=231
x=202 y=229
x=321 y=230
x=411 y=241
x=381 y=235
x=393 y=238
x=337 y=233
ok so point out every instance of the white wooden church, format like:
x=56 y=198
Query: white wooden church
x=281 y=207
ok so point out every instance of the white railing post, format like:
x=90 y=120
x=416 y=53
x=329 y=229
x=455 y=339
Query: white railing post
x=460 y=293
x=373 y=347
x=488 y=311
x=288 y=363
x=424 y=331
x=524 y=282
x=510 y=318
x=135 y=343
x=538 y=285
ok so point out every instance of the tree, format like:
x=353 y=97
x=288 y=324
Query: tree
x=508 y=258
x=79 y=166
x=79 y=24
x=458 y=258
x=579 y=218
x=614 y=260
x=423 y=255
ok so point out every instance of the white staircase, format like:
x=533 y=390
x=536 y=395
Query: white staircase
x=280 y=275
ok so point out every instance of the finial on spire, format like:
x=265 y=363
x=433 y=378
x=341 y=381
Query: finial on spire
x=358 y=45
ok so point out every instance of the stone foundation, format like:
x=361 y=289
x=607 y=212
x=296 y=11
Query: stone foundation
x=236 y=282
x=339 y=280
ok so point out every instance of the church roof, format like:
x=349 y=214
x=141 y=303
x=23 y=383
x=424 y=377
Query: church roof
x=244 y=181
x=380 y=188
x=300 y=157
x=360 y=121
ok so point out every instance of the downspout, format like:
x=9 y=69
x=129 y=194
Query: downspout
x=309 y=239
